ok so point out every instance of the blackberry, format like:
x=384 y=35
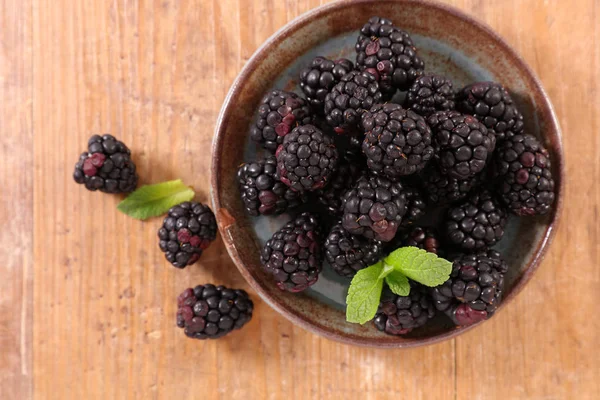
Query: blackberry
x=187 y=231
x=477 y=222
x=306 y=159
x=490 y=103
x=415 y=206
x=398 y=315
x=279 y=112
x=463 y=144
x=397 y=141
x=348 y=254
x=423 y=238
x=293 y=255
x=522 y=168
x=355 y=93
x=342 y=180
x=474 y=289
x=322 y=74
x=106 y=166
x=374 y=208
x=261 y=190
x=388 y=51
x=210 y=312
x=441 y=189
x=430 y=93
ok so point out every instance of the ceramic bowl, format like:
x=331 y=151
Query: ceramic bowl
x=451 y=43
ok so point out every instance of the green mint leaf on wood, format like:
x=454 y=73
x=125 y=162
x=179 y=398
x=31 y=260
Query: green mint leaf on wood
x=398 y=283
x=154 y=200
x=364 y=294
x=420 y=265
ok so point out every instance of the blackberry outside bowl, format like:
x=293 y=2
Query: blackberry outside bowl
x=452 y=44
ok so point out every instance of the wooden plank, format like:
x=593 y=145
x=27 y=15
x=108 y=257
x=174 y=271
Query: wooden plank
x=16 y=200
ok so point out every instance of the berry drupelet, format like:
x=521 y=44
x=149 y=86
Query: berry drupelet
x=278 y=113
x=388 y=52
x=430 y=93
x=106 y=166
x=261 y=190
x=347 y=253
x=474 y=289
x=317 y=79
x=491 y=104
x=307 y=159
x=374 y=208
x=522 y=168
x=398 y=315
x=293 y=256
x=441 y=189
x=210 y=312
x=423 y=238
x=345 y=103
x=463 y=144
x=477 y=222
x=187 y=231
x=397 y=141
x=415 y=206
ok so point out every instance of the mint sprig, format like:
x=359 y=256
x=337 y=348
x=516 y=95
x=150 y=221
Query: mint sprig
x=154 y=200
x=364 y=293
x=406 y=262
x=398 y=283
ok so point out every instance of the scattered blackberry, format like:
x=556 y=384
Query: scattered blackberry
x=209 y=312
x=474 y=289
x=463 y=144
x=348 y=254
x=386 y=50
x=492 y=105
x=261 y=190
x=343 y=179
x=397 y=141
x=415 y=206
x=423 y=238
x=306 y=159
x=374 y=208
x=398 y=315
x=187 y=231
x=279 y=112
x=345 y=103
x=441 y=189
x=293 y=255
x=430 y=93
x=523 y=169
x=106 y=166
x=477 y=222
x=317 y=79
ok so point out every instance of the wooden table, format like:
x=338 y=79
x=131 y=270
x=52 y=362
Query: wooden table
x=86 y=298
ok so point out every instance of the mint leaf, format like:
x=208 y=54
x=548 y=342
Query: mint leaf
x=154 y=200
x=364 y=294
x=398 y=283
x=420 y=265
x=387 y=269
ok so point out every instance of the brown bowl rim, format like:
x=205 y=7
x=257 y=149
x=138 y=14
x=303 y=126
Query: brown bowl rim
x=299 y=320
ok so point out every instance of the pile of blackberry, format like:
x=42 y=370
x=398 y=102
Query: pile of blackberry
x=357 y=175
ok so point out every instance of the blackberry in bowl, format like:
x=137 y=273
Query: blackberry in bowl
x=397 y=142
x=320 y=76
x=464 y=56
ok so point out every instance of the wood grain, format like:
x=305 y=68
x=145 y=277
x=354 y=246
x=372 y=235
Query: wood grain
x=86 y=298
x=16 y=200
